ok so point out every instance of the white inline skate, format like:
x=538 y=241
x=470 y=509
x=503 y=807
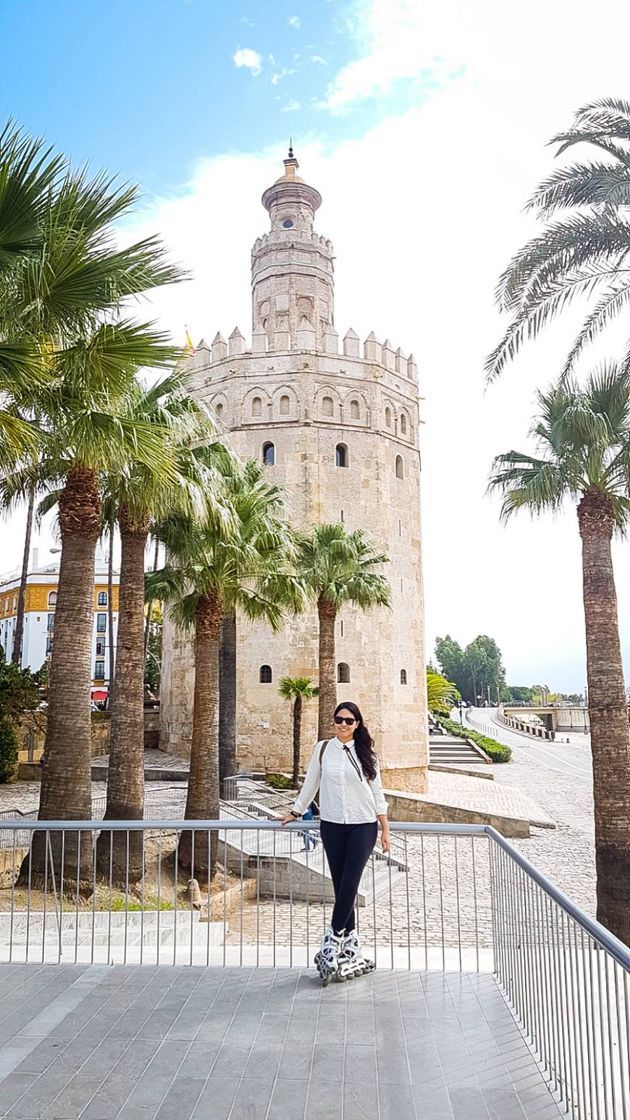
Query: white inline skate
x=352 y=963
x=327 y=959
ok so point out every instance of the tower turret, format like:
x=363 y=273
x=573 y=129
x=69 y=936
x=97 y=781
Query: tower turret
x=292 y=266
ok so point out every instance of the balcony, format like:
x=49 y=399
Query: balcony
x=494 y=997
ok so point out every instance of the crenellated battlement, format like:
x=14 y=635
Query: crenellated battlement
x=371 y=351
x=290 y=236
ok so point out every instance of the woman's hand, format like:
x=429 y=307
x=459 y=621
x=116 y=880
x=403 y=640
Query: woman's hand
x=385 y=837
x=287 y=819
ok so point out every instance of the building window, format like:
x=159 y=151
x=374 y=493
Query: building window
x=343 y=673
x=52 y=598
x=15 y=602
x=403 y=676
x=51 y=623
x=400 y=473
x=354 y=410
x=341 y=627
x=287 y=223
x=102 y=599
x=265 y=675
x=257 y=406
x=341 y=455
x=269 y=454
x=284 y=405
x=100 y=647
x=101 y=623
x=327 y=406
x=219 y=411
x=49 y=645
x=388 y=417
x=99 y=670
x=403 y=425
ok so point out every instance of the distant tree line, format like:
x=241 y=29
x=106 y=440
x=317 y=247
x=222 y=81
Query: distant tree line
x=479 y=676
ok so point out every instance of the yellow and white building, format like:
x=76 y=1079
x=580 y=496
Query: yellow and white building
x=39 y=617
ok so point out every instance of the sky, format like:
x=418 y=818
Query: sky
x=426 y=127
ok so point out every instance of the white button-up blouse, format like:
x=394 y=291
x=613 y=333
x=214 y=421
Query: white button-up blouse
x=346 y=796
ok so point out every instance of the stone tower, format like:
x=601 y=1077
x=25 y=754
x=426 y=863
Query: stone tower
x=338 y=430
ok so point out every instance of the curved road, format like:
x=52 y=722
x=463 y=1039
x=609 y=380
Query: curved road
x=573 y=757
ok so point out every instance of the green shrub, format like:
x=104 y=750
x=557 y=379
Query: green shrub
x=278 y=781
x=8 y=749
x=498 y=751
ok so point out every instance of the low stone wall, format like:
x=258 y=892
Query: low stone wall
x=32 y=733
x=403 y=806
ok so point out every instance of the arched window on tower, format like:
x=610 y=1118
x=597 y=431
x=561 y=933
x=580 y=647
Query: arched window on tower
x=269 y=454
x=403 y=676
x=257 y=406
x=52 y=598
x=343 y=673
x=400 y=470
x=354 y=410
x=265 y=675
x=284 y=405
x=403 y=425
x=388 y=417
x=219 y=411
x=327 y=406
x=341 y=455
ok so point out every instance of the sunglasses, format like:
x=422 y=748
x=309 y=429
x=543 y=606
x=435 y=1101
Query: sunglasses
x=345 y=719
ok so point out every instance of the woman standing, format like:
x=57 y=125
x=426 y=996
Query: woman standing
x=352 y=804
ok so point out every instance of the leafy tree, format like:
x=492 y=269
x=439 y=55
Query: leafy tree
x=583 y=249
x=477 y=670
x=520 y=693
x=583 y=444
x=450 y=658
x=297 y=690
x=18 y=693
x=153 y=661
x=337 y=568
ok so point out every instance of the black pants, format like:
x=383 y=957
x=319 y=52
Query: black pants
x=348 y=848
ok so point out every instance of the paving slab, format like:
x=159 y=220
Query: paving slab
x=393 y=1044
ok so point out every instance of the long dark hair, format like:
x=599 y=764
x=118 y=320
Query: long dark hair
x=363 y=742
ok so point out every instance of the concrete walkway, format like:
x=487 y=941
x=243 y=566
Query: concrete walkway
x=102 y=1043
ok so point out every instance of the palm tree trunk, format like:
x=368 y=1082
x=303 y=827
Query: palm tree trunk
x=19 y=621
x=297 y=735
x=66 y=790
x=227 y=699
x=110 y=611
x=197 y=851
x=608 y=712
x=125 y=778
x=327 y=613
x=147 y=625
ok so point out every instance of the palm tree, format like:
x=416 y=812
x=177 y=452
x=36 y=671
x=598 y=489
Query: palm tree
x=442 y=694
x=583 y=436
x=137 y=495
x=337 y=568
x=297 y=689
x=216 y=566
x=583 y=249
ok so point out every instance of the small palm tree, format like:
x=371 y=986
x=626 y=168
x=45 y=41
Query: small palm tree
x=297 y=689
x=583 y=249
x=240 y=561
x=441 y=694
x=584 y=441
x=338 y=568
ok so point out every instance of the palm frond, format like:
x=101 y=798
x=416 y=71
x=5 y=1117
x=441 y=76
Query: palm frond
x=586 y=184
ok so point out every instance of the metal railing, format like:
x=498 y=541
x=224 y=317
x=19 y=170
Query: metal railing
x=455 y=897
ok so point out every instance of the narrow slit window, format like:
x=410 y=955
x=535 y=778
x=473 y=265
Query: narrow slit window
x=403 y=676
x=400 y=470
x=265 y=676
x=343 y=673
x=341 y=455
x=269 y=454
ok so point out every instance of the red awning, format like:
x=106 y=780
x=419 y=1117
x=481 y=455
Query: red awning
x=99 y=694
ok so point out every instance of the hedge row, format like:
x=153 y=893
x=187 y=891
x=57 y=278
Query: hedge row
x=498 y=751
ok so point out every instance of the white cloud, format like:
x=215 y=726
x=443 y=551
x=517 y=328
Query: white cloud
x=294 y=21
x=291 y=106
x=281 y=74
x=249 y=59
x=319 y=59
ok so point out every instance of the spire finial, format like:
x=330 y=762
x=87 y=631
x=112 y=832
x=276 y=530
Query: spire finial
x=290 y=147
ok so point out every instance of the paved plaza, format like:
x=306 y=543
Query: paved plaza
x=101 y=1043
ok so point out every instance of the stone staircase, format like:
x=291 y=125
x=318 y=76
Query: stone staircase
x=449 y=750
